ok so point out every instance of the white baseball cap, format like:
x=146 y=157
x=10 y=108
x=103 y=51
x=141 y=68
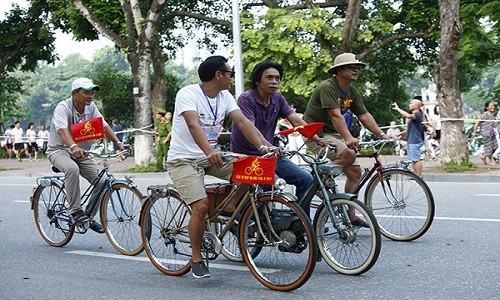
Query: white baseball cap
x=85 y=84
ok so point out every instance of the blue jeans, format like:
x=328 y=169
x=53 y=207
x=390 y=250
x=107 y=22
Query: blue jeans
x=296 y=176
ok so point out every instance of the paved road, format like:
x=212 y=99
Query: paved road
x=456 y=259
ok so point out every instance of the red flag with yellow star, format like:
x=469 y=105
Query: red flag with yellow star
x=307 y=130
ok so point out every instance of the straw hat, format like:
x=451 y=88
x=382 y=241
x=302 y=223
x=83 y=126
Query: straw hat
x=345 y=59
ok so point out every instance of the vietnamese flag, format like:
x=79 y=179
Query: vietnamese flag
x=308 y=130
x=92 y=129
x=254 y=170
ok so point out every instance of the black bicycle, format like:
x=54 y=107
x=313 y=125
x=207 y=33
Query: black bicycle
x=120 y=206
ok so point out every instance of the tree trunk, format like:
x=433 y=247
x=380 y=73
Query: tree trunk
x=159 y=92
x=144 y=142
x=453 y=140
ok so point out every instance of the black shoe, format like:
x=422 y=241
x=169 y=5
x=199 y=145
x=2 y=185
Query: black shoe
x=200 y=270
x=95 y=226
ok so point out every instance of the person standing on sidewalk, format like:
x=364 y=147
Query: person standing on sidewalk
x=67 y=155
x=9 y=141
x=32 y=145
x=162 y=131
x=414 y=133
x=488 y=123
x=43 y=134
x=17 y=133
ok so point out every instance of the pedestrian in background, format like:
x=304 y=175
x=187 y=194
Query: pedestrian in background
x=17 y=133
x=9 y=141
x=118 y=130
x=414 y=132
x=43 y=134
x=488 y=123
x=162 y=131
x=31 y=139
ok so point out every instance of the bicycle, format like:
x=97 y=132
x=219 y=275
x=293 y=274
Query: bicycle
x=274 y=234
x=120 y=204
x=347 y=248
x=400 y=200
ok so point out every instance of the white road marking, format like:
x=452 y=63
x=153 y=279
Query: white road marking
x=143 y=258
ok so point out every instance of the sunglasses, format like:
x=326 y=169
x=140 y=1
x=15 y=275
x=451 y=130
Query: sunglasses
x=231 y=73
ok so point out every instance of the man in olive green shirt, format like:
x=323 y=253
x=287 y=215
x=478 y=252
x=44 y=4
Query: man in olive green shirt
x=330 y=100
x=162 y=132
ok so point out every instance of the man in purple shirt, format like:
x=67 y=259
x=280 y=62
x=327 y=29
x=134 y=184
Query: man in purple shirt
x=264 y=105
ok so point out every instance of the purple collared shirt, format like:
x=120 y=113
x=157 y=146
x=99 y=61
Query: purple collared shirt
x=264 y=118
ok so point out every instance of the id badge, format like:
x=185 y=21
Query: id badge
x=212 y=139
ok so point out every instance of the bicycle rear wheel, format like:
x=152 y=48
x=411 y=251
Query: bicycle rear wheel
x=230 y=242
x=402 y=203
x=346 y=248
x=51 y=211
x=282 y=254
x=164 y=233
x=120 y=212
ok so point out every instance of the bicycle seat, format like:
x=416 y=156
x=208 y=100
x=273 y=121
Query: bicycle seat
x=56 y=170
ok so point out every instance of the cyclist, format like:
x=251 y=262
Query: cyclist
x=199 y=113
x=68 y=156
x=264 y=105
x=330 y=100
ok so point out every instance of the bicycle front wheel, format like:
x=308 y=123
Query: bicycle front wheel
x=164 y=233
x=347 y=248
x=278 y=243
x=402 y=203
x=51 y=211
x=120 y=211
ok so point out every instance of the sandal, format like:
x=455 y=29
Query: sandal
x=79 y=216
x=360 y=223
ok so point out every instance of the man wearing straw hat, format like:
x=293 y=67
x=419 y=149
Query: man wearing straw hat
x=330 y=100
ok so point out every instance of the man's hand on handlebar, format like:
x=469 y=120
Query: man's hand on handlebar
x=352 y=143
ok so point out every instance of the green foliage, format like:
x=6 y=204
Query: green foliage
x=141 y=169
x=26 y=39
x=453 y=167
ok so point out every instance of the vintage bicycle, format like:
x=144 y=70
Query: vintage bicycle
x=274 y=234
x=345 y=245
x=400 y=200
x=120 y=205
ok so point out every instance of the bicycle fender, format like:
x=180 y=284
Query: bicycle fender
x=347 y=196
x=157 y=191
x=285 y=195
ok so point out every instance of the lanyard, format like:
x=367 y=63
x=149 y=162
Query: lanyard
x=211 y=108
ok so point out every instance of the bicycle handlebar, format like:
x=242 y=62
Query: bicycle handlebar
x=127 y=151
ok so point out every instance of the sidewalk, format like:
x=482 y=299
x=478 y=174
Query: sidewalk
x=431 y=171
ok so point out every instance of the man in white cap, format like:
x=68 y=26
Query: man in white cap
x=68 y=156
x=330 y=100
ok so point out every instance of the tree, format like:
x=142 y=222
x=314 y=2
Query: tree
x=132 y=27
x=26 y=39
x=454 y=143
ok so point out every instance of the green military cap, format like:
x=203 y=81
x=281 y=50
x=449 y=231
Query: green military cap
x=160 y=111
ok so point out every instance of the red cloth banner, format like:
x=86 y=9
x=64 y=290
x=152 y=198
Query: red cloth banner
x=254 y=170
x=92 y=129
x=308 y=130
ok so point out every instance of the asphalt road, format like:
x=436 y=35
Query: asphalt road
x=456 y=259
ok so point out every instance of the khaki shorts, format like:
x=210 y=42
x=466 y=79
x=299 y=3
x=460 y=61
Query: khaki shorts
x=188 y=176
x=334 y=139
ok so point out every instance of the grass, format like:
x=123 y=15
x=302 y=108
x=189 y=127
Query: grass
x=142 y=169
x=453 y=167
